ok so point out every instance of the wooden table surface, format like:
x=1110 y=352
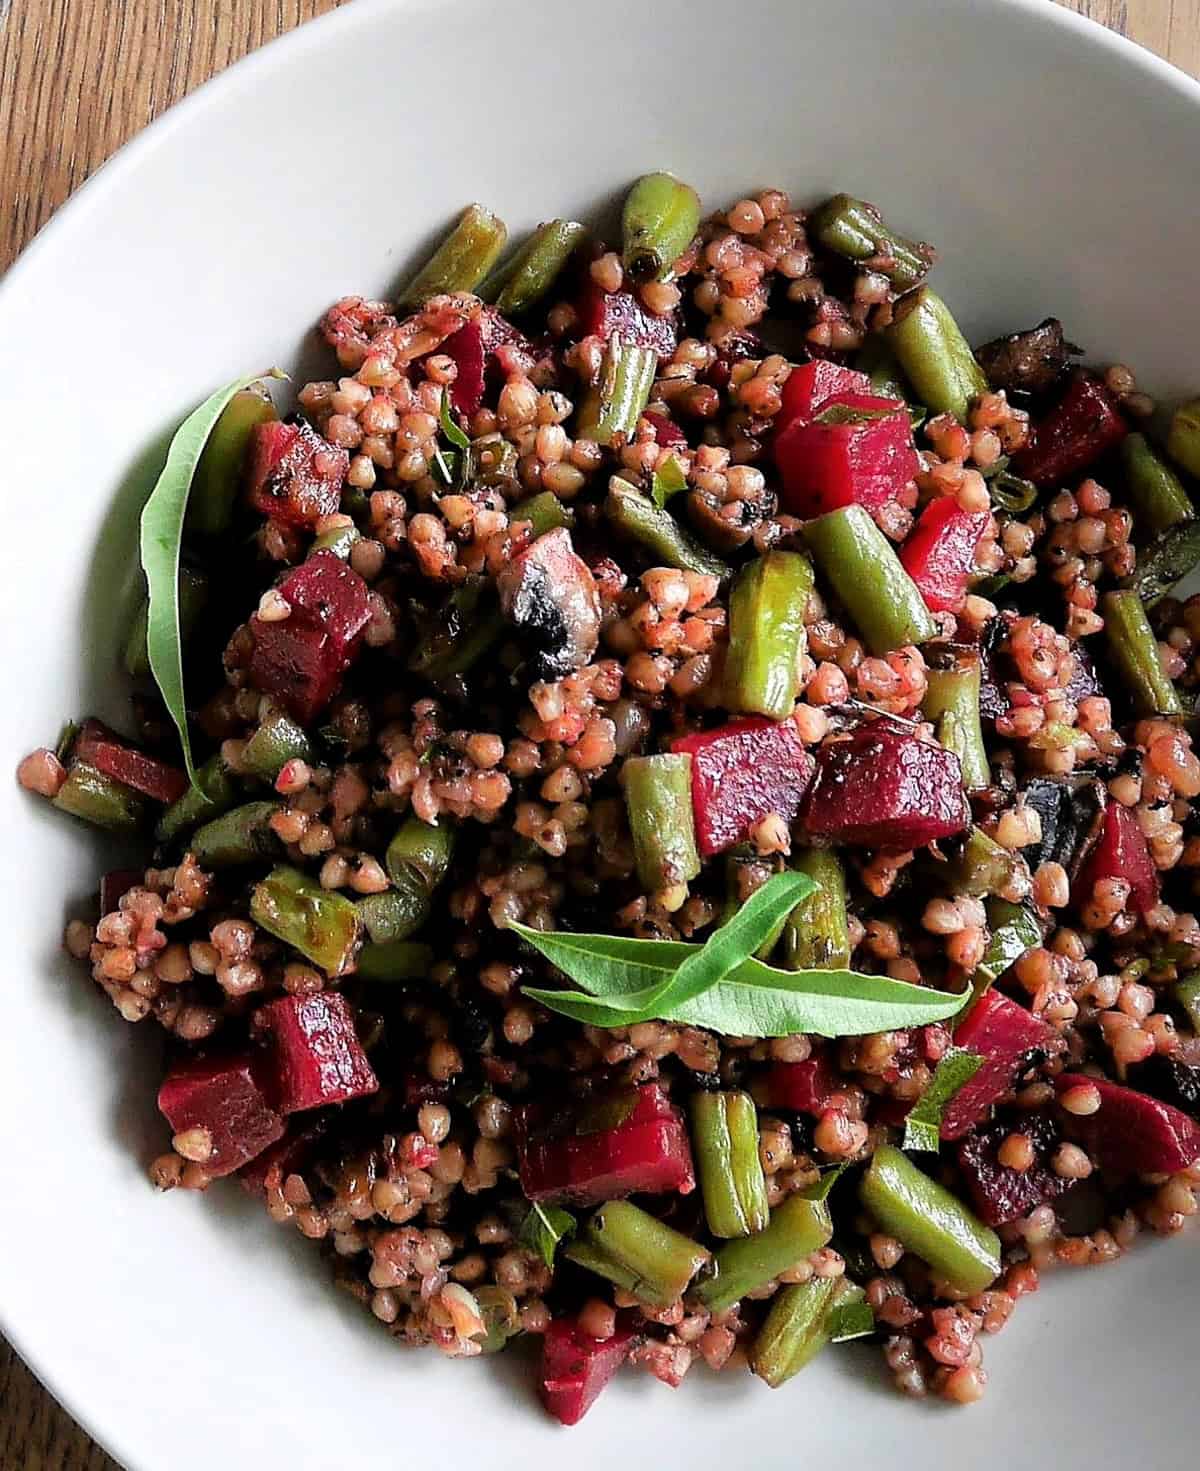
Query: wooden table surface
x=77 y=78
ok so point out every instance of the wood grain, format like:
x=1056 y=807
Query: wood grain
x=76 y=80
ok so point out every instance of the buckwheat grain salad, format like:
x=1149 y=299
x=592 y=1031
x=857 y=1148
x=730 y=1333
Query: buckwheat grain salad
x=667 y=795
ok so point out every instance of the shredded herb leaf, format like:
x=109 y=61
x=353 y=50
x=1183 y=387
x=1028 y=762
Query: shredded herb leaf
x=849 y=1320
x=923 y=1126
x=668 y=480
x=543 y=1228
x=449 y=428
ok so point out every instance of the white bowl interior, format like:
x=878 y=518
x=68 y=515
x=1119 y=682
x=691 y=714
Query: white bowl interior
x=1053 y=166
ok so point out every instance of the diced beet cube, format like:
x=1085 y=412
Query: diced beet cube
x=286 y=1156
x=620 y=314
x=885 y=788
x=314 y=1054
x=332 y=595
x=667 y=433
x=107 y=752
x=633 y=1141
x=222 y=1095
x=1073 y=435
x=1002 y=1194
x=1170 y=1081
x=1004 y=1034
x=293 y=473
x=550 y=595
x=576 y=1367
x=857 y=451
x=810 y=386
x=742 y=771
x=1131 y=1133
x=939 y=554
x=474 y=348
x=803 y=1086
x=115 y=884
x=1122 y=852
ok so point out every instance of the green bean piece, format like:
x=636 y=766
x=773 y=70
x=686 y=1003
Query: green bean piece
x=816 y=935
x=798 y=1326
x=214 y=792
x=1014 y=928
x=537 y=265
x=658 y=799
x=766 y=634
x=1134 y=651
x=322 y=925
x=865 y=572
x=395 y=914
x=1155 y=491
x=217 y=481
x=853 y=228
x=501 y=1316
x=732 y=1182
x=419 y=855
x=393 y=960
x=463 y=258
x=340 y=541
x=1187 y=995
x=544 y=512
x=615 y=404
x=100 y=800
x=931 y=1222
x=796 y=1229
x=936 y=357
x=1012 y=494
x=243 y=835
x=1161 y=564
x=277 y=741
x=735 y=894
x=459 y=634
x=1183 y=438
x=983 y=867
x=636 y=516
x=877 y=360
x=951 y=703
x=638 y=1252
x=193 y=594
x=491 y=457
x=659 y=222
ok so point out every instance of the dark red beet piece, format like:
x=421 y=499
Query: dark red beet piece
x=550 y=594
x=939 y=554
x=221 y=1094
x=1074 y=434
x=1001 y=1194
x=645 y=1149
x=115 y=884
x=740 y=772
x=576 y=1367
x=1003 y=1034
x=885 y=788
x=667 y=433
x=619 y=314
x=294 y=474
x=810 y=386
x=1131 y=1133
x=864 y=462
x=286 y=1156
x=107 y=752
x=313 y=1056
x=803 y=1086
x=1121 y=853
x=474 y=347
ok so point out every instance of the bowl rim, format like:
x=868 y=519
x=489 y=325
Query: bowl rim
x=69 y=1392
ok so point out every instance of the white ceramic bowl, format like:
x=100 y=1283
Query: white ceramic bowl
x=1055 y=167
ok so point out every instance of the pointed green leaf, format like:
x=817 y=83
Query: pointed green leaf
x=923 y=1126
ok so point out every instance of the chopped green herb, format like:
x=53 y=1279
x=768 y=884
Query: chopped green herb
x=543 y=1228
x=669 y=479
x=922 y=1128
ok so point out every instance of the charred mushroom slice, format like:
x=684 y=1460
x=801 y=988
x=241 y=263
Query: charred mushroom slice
x=1031 y=361
x=550 y=596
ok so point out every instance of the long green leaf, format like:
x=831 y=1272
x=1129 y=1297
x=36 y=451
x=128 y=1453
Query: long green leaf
x=161 y=539
x=923 y=1126
x=612 y=966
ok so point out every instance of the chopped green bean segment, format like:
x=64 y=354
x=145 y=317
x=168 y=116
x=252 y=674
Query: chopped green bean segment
x=659 y=222
x=936 y=357
x=395 y=914
x=766 y=634
x=1183 y=439
x=243 y=835
x=318 y=923
x=638 y=1252
x=853 y=228
x=816 y=935
x=463 y=258
x=218 y=477
x=420 y=854
x=931 y=1222
x=214 y=792
x=193 y=594
x=1187 y=994
x=983 y=867
x=394 y=960
x=1014 y=929
x=544 y=512
x=277 y=741
x=615 y=404
x=865 y=572
x=877 y=360
x=798 y=1326
x=636 y=516
x=98 y=799
x=501 y=1317
x=658 y=799
x=537 y=265
x=1157 y=494
x=1169 y=557
x=952 y=704
x=1134 y=650
x=725 y=1134
x=465 y=627
x=340 y=541
x=1011 y=493
x=796 y=1229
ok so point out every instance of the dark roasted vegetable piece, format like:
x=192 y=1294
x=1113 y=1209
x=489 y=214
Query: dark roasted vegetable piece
x=1001 y=1194
x=549 y=595
x=1027 y=362
x=1170 y=1080
x=1072 y=814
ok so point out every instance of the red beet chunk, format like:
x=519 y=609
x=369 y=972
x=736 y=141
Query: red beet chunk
x=634 y=1141
x=115 y=884
x=1131 y=1133
x=576 y=1367
x=1003 y=1034
x=294 y=474
x=1001 y=1194
x=863 y=461
x=314 y=1054
x=286 y=1156
x=810 y=386
x=99 y=747
x=550 y=595
x=1073 y=435
x=803 y=1086
x=667 y=433
x=331 y=594
x=474 y=348
x=885 y=788
x=939 y=555
x=740 y=772
x=222 y=1095
x=1121 y=853
x=619 y=314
